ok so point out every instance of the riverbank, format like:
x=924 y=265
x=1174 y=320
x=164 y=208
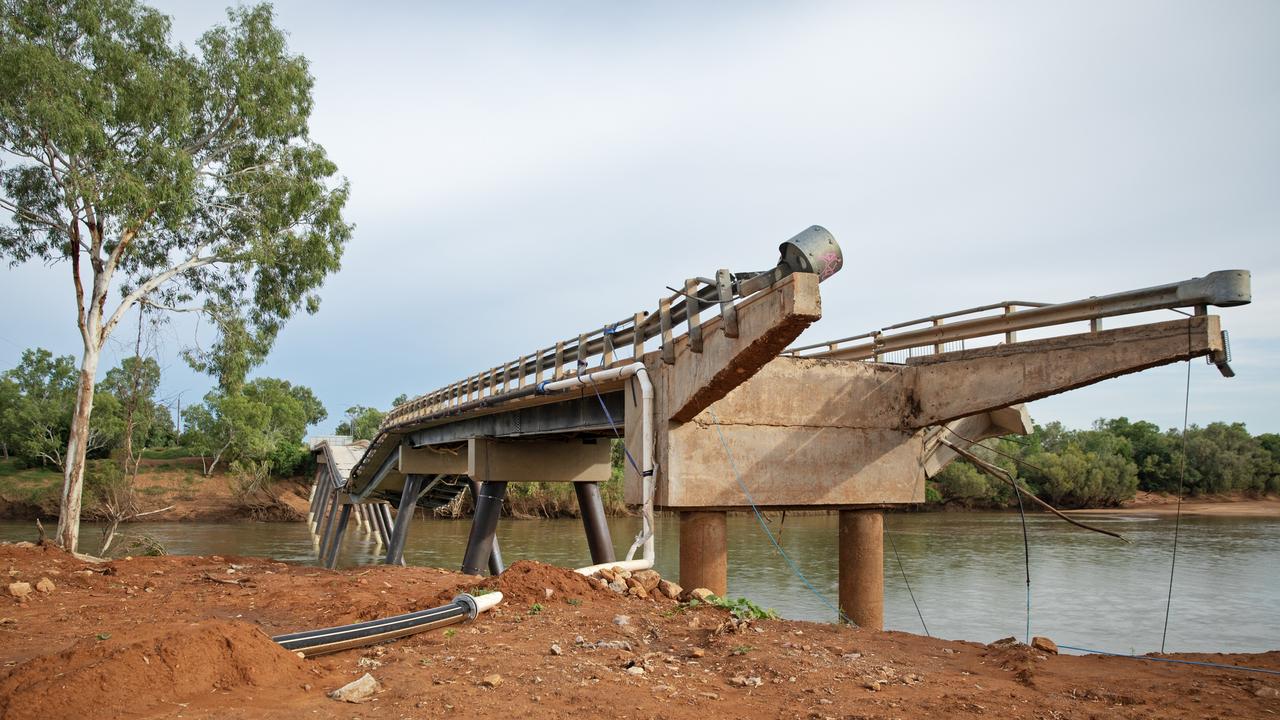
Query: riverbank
x=155 y=637
x=1231 y=505
x=174 y=489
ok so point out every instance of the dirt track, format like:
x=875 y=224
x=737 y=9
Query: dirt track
x=184 y=637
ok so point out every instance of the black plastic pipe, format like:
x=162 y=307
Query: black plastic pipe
x=343 y=637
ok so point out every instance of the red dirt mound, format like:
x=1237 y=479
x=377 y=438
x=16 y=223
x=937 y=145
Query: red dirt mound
x=123 y=677
x=527 y=581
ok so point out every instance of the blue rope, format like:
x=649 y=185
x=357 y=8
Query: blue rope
x=609 y=416
x=1220 y=666
x=763 y=526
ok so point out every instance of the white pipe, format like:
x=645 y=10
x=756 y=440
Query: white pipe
x=636 y=369
x=487 y=601
x=629 y=565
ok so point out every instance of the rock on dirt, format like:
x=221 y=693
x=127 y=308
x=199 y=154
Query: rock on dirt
x=701 y=594
x=19 y=590
x=669 y=589
x=357 y=691
x=491 y=681
x=46 y=585
x=1044 y=644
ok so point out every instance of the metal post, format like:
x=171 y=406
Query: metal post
x=862 y=567
x=384 y=513
x=328 y=522
x=592 y=507
x=704 y=550
x=311 y=499
x=495 y=555
x=322 y=503
x=332 y=560
x=484 y=525
x=404 y=518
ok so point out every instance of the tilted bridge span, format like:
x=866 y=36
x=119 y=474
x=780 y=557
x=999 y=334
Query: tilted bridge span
x=713 y=404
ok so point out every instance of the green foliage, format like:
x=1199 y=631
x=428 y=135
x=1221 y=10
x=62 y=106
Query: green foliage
x=185 y=178
x=154 y=157
x=263 y=422
x=741 y=608
x=36 y=402
x=1107 y=464
x=362 y=422
x=535 y=608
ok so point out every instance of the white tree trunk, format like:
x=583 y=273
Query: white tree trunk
x=77 y=446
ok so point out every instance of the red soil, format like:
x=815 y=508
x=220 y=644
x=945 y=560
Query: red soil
x=175 y=636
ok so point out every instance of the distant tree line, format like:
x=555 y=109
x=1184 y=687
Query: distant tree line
x=253 y=428
x=1107 y=464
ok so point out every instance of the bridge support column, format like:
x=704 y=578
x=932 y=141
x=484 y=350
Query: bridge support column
x=404 y=518
x=704 y=550
x=384 y=522
x=332 y=510
x=331 y=559
x=599 y=541
x=321 y=504
x=484 y=526
x=861 y=560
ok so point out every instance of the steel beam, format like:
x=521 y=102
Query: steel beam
x=579 y=414
x=331 y=560
x=404 y=518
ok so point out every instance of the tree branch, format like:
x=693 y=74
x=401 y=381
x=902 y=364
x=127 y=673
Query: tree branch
x=191 y=263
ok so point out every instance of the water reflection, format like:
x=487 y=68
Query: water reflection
x=966 y=570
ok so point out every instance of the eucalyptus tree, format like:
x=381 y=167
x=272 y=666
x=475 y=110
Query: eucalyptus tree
x=182 y=178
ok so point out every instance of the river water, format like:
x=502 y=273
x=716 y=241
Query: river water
x=966 y=570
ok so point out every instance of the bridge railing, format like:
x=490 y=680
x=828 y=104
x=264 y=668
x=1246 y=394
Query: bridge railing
x=941 y=333
x=813 y=250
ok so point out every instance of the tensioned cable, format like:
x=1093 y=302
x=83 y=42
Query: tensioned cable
x=907 y=582
x=1026 y=556
x=1177 y=518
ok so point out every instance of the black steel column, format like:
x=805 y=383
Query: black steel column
x=328 y=523
x=321 y=502
x=384 y=518
x=404 y=517
x=592 y=507
x=495 y=555
x=332 y=560
x=484 y=525
x=315 y=496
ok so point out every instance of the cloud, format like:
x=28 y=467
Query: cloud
x=522 y=173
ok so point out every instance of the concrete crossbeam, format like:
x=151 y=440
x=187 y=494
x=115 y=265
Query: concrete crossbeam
x=538 y=461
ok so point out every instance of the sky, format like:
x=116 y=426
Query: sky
x=524 y=172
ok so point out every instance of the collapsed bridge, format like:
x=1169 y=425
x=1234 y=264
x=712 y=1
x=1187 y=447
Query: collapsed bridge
x=718 y=414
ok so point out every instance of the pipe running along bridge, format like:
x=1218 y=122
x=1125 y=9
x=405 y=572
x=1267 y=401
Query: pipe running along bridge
x=712 y=405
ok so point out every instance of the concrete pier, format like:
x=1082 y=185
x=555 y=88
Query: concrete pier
x=704 y=550
x=861 y=565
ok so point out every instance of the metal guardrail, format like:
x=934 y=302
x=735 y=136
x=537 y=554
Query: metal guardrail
x=1223 y=288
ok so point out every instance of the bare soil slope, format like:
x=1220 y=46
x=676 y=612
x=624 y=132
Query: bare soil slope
x=188 y=637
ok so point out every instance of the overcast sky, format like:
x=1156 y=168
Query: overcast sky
x=523 y=172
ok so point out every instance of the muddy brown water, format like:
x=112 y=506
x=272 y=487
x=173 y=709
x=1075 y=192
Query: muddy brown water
x=966 y=570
